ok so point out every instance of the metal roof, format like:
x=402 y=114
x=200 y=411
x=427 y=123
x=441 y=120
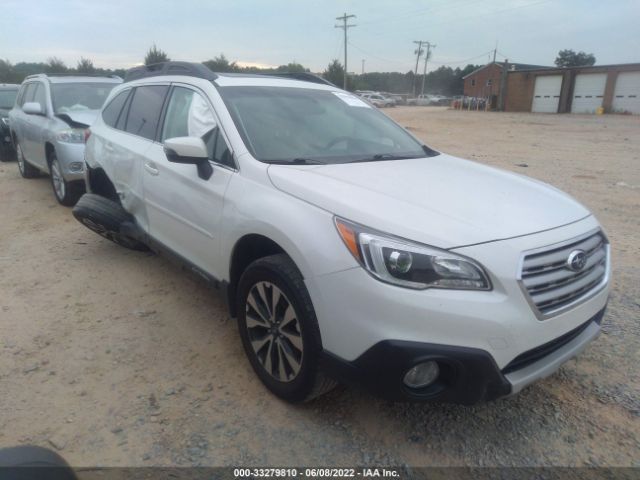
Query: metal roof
x=512 y=67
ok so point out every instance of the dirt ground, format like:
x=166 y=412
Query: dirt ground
x=118 y=358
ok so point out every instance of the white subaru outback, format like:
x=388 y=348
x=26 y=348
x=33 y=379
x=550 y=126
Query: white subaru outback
x=346 y=248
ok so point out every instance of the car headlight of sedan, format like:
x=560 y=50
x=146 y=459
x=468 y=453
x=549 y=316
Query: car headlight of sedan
x=408 y=264
x=71 y=135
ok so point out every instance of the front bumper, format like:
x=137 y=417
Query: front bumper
x=71 y=159
x=467 y=375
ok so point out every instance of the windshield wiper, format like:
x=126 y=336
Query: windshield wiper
x=297 y=161
x=383 y=156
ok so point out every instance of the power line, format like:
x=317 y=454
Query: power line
x=345 y=27
x=463 y=19
x=388 y=60
x=463 y=61
x=419 y=12
x=404 y=63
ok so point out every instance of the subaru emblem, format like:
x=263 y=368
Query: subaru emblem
x=577 y=260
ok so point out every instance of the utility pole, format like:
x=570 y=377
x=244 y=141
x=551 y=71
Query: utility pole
x=426 y=58
x=363 y=66
x=495 y=50
x=344 y=27
x=418 y=53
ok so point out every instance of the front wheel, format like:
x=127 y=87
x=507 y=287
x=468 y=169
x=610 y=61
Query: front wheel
x=66 y=193
x=279 y=330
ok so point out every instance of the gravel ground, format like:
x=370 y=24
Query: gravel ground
x=118 y=358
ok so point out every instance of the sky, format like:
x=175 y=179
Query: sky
x=117 y=33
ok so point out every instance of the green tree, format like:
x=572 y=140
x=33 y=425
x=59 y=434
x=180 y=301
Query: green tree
x=155 y=55
x=569 y=58
x=55 y=65
x=8 y=73
x=292 y=67
x=221 y=64
x=85 y=66
x=335 y=73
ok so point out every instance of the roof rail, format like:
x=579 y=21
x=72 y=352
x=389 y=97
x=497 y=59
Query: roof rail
x=170 y=68
x=47 y=75
x=304 y=76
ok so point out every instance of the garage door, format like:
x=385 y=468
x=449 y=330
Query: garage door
x=626 y=95
x=546 y=94
x=588 y=92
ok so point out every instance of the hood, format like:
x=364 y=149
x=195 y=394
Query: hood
x=442 y=201
x=79 y=119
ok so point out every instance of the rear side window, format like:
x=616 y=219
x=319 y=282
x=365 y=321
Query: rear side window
x=122 y=120
x=112 y=111
x=144 y=112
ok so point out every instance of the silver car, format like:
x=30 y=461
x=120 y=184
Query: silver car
x=49 y=123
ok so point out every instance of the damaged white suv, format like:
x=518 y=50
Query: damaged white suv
x=346 y=248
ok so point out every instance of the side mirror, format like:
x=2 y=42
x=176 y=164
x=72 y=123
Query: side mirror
x=191 y=151
x=33 y=108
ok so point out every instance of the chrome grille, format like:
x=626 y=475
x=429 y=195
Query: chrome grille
x=552 y=286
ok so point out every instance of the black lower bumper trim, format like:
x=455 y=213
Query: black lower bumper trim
x=468 y=375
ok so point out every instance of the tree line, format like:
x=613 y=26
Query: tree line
x=444 y=80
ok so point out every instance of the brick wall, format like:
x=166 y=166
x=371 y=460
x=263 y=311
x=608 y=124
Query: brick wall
x=475 y=85
x=520 y=85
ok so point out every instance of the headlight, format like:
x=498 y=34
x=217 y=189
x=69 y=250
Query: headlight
x=72 y=135
x=5 y=121
x=412 y=265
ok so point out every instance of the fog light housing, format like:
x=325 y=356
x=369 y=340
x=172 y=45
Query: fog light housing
x=76 y=167
x=421 y=375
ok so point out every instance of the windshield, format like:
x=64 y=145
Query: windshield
x=74 y=97
x=7 y=98
x=298 y=125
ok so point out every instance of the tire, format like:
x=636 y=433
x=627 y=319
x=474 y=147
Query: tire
x=67 y=193
x=105 y=217
x=26 y=169
x=29 y=462
x=284 y=347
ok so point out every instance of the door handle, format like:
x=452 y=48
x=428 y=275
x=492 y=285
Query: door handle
x=151 y=168
x=109 y=148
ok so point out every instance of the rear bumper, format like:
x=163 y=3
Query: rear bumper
x=468 y=375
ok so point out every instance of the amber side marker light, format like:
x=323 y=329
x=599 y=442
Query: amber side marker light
x=349 y=238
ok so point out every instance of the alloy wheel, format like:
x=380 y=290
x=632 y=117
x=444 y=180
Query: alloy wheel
x=58 y=181
x=274 y=331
